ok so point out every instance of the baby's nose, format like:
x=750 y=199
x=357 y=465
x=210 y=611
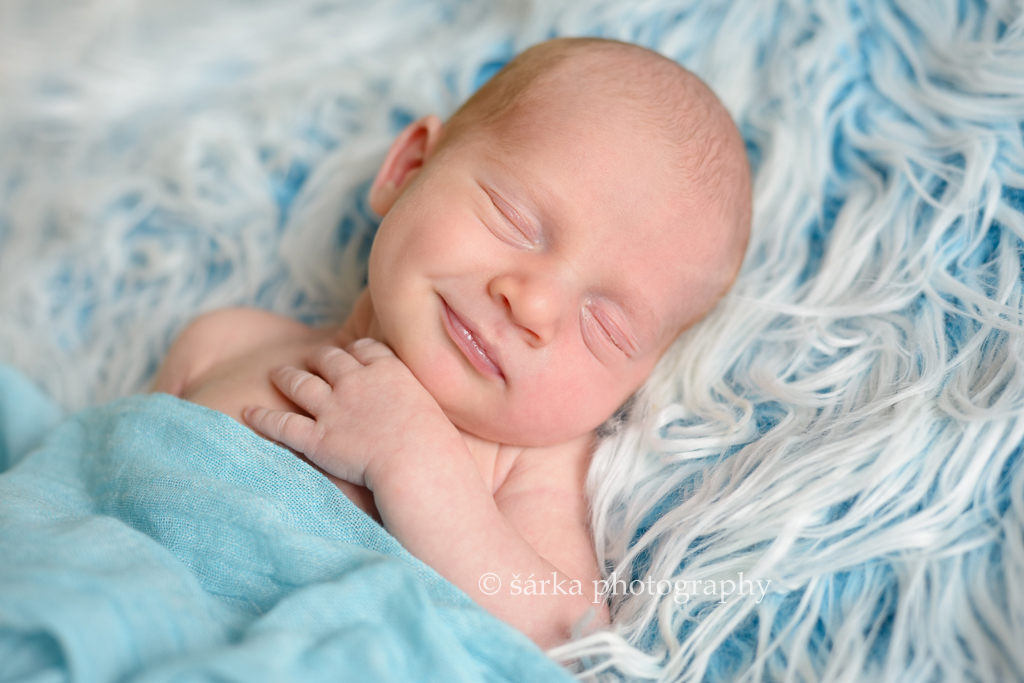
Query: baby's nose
x=533 y=303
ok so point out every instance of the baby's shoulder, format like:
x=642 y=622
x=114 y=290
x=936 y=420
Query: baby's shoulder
x=230 y=332
x=242 y=324
x=222 y=335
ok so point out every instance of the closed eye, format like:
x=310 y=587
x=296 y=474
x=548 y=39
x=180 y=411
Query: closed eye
x=519 y=230
x=610 y=334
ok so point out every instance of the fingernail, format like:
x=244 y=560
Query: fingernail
x=360 y=343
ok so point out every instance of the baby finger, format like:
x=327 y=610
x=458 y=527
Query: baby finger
x=305 y=389
x=331 y=363
x=368 y=350
x=295 y=431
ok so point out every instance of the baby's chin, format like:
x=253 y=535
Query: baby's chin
x=511 y=420
x=522 y=433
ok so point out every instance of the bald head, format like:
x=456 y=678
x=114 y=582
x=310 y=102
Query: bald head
x=636 y=88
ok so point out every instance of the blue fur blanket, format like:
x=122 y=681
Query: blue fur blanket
x=845 y=427
x=153 y=539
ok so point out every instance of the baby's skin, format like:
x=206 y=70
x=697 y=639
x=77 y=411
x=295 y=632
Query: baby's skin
x=537 y=255
x=225 y=360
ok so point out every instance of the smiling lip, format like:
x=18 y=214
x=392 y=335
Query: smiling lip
x=470 y=343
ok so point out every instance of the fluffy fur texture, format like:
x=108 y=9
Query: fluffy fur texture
x=846 y=424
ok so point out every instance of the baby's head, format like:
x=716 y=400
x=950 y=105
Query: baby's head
x=542 y=249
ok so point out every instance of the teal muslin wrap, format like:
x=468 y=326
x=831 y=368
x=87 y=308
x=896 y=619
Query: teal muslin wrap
x=152 y=539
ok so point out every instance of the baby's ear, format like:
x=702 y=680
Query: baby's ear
x=408 y=153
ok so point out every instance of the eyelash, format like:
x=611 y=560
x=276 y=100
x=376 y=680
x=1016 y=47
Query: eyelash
x=605 y=332
x=521 y=239
x=517 y=235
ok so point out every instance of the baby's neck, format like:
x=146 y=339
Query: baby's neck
x=493 y=460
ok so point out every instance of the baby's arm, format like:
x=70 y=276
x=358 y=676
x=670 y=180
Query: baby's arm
x=374 y=424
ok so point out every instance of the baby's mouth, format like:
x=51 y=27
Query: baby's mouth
x=470 y=343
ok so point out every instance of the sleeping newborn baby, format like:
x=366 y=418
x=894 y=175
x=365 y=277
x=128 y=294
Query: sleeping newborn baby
x=538 y=253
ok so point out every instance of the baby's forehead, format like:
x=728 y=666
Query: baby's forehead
x=609 y=165
x=579 y=93
x=695 y=138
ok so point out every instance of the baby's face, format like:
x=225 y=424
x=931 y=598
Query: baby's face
x=530 y=279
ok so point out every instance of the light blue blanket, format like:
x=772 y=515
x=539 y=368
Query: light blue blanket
x=155 y=540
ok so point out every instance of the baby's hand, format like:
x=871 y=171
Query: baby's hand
x=366 y=407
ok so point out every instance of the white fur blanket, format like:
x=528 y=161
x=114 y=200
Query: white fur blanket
x=846 y=425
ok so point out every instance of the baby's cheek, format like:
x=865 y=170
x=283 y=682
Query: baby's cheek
x=441 y=374
x=571 y=404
